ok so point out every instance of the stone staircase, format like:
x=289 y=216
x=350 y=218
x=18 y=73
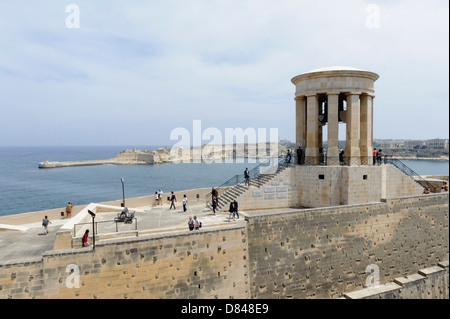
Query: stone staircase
x=228 y=193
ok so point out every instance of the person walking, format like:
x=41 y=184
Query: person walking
x=214 y=205
x=288 y=157
x=214 y=193
x=235 y=208
x=69 y=208
x=231 y=211
x=247 y=177
x=173 y=199
x=85 y=239
x=185 y=201
x=45 y=223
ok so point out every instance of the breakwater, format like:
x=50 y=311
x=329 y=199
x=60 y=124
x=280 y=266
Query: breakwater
x=205 y=153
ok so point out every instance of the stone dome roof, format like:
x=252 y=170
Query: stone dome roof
x=333 y=68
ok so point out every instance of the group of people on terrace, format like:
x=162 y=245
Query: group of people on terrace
x=377 y=156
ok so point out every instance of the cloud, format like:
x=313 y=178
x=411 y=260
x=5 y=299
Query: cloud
x=156 y=65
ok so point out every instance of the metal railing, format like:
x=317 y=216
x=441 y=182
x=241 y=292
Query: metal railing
x=268 y=167
x=101 y=222
x=367 y=161
x=342 y=160
x=408 y=171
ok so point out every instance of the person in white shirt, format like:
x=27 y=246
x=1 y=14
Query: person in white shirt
x=185 y=201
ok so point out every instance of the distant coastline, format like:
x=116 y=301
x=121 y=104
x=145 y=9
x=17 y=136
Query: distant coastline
x=167 y=155
x=214 y=153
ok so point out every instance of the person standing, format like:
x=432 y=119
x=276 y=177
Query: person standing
x=160 y=196
x=374 y=155
x=173 y=199
x=197 y=224
x=379 y=155
x=191 y=223
x=69 y=208
x=299 y=155
x=341 y=156
x=156 y=198
x=45 y=223
x=185 y=201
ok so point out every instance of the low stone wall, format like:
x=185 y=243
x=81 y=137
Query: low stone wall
x=428 y=283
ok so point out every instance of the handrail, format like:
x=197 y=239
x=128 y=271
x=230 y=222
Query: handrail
x=240 y=179
x=103 y=221
x=408 y=171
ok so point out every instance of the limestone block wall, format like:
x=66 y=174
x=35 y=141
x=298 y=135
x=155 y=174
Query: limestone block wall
x=198 y=264
x=280 y=192
x=323 y=186
x=324 y=252
x=396 y=183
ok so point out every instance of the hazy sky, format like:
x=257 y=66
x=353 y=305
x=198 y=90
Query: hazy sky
x=135 y=70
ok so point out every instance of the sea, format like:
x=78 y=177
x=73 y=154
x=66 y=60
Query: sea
x=24 y=187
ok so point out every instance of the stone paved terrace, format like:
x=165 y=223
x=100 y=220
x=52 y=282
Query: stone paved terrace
x=27 y=241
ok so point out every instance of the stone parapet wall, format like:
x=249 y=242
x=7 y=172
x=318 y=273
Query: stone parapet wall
x=428 y=283
x=186 y=264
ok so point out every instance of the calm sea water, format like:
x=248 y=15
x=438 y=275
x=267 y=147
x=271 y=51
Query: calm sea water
x=26 y=188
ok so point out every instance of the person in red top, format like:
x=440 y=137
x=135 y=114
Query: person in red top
x=374 y=154
x=85 y=239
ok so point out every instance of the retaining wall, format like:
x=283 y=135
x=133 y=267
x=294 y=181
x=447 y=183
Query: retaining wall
x=311 y=253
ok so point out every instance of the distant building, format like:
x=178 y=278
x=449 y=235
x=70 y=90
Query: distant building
x=437 y=143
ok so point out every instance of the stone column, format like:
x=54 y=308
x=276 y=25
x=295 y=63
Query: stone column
x=352 y=151
x=300 y=118
x=366 y=134
x=312 y=129
x=333 y=129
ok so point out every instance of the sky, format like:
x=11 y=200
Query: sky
x=129 y=72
